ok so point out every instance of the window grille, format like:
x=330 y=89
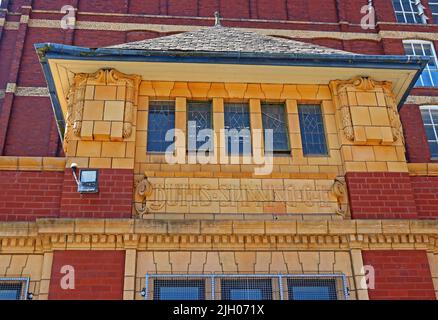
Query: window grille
x=245 y=287
x=199 y=117
x=430 y=120
x=237 y=122
x=409 y=11
x=429 y=76
x=161 y=120
x=274 y=118
x=14 y=288
x=312 y=130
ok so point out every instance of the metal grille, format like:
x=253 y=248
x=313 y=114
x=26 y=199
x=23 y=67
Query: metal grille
x=246 y=287
x=312 y=130
x=161 y=120
x=199 y=118
x=407 y=11
x=237 y=122
x=429 y=76
x=313 y=288
x=274 y=118
x=14 y=288
x=430 y=119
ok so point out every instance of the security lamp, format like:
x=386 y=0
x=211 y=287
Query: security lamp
x=87 y=182
x=30 y=296
x=143 y=292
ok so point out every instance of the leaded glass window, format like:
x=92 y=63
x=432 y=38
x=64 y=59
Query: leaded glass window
x=429 y=76
x=237 y=124
x=430 y=119
x=274 y=118
x=199 y=117
x=312 y=130
x=161 y=120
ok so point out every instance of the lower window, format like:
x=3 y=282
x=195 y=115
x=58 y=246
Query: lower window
x=13 y=288
x=245 y=287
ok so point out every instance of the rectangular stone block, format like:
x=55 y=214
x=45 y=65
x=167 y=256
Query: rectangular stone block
x=114 y=110
x=105 y=93
x=101 y=130
x=93 y=110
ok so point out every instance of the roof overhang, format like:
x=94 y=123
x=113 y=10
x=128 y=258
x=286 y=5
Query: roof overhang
x=61 y=62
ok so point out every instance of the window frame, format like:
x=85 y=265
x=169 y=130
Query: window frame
x=25 y=282
x=414 y=14
x=227 y=138
x=148 y=125
x=210 y=102
x=434 y=126
x=324 y=128
x=286 y=120
x=434 y=56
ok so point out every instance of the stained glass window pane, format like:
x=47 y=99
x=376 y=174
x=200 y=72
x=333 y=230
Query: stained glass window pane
x=179 y=289
x=161 y=119
x=199 y=117
x=274 y=118
x=312 y=130
x=237 y=124
x=246 y=289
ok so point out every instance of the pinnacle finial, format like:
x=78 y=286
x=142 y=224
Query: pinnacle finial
x=217 y=21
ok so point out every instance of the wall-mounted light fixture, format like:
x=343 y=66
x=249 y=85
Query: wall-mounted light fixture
x=88 y=179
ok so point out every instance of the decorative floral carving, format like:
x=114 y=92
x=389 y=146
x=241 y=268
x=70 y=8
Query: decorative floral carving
x=143 y=190
x=394 y=119
x=339 y=190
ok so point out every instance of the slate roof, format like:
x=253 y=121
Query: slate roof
x=223 y=39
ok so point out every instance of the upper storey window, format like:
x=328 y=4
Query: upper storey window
x=274 y=118
x=429 y=77
x=430 y=119
x=237 y=124
x=433 y=5
x=161 y=120
x=409 y=11
x=312 y=130
x=200 y=123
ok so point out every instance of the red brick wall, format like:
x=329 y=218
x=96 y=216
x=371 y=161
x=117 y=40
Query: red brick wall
x=400 y=275
x=381 y=195
x=426 y=196
x=114 y=199
x=416 y=142
x=26 y=195
x=98 y=275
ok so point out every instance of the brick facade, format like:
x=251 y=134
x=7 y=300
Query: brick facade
x=45 y=224
x=27 y=195
x=114 y=199
x=381 y=196
x=400 y=275
x=98 y=275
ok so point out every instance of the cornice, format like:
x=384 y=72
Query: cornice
x=46 y=235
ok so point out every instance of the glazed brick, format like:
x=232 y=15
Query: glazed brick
x=27 y=195
x=114 y=199
x=400 y=275
x=99 y=275
x=381 y=195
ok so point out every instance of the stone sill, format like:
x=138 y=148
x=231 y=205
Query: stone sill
x=32 y=164
x=211 y=227
x=423 y=169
